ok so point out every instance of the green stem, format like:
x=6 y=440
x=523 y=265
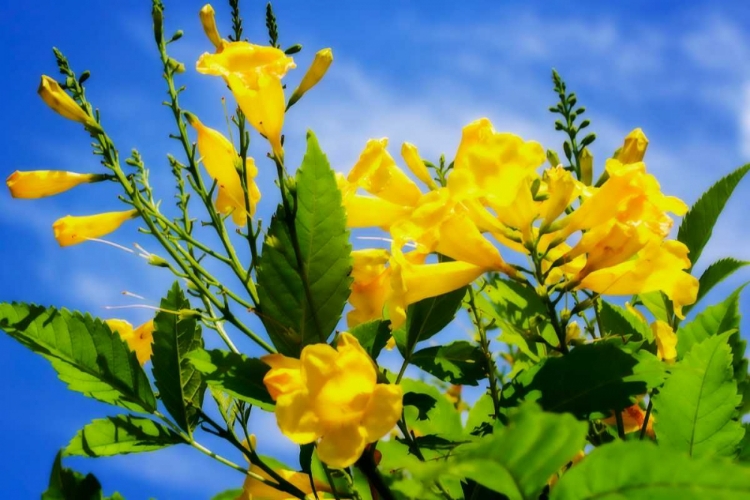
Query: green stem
x=646 y=418
x=620 y=425
x=484 y=343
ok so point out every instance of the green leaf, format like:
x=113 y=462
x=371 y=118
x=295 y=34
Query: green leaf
x=744 y=455
x=428 y=411
x=303 y=290
x=235 y=374
x=180 y=386
x=228 y=495
x=121 y=435
x=715 y=274
x=480 y=417
x=516 y=460
x=84 y=352
x=698 y=224
x=695 y=409
x=459 y=362
x=714 y=320
x=427 y=318
x=619 y=321
x=372 y=336
x=592 y=378
x=637 y=470
x=659 y=305
x=67 y=484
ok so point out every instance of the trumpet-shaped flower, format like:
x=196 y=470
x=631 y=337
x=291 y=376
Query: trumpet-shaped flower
x=60 y=101
x=371 y=286
x=139 y=339
x=332 y=396
x=42 y=183
x=253 y=73
x=633 y=418
x=410 y=154
x=634 y=148
x=666 y=340
x=377 y=173
x=208 y=20
x=315 y=73
x=71 y=230
x=220 y=159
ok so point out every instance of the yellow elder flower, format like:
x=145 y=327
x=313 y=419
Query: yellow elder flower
x=253 y=73
x=332 y=396
x=377 y=173
x=634 y=148
x=371 y=286
x=220 y=159
x=410 y=154
x=71 y=230
x=632 y=419
x=60 y=101
x=208 y=20
x=666 y=340
x=139 y=340
x=41 y=183
x=316 y=71
x=562 y=189
x=659 y=266
x=369 y=211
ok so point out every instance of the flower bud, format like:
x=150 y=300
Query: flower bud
x=208 y=20
x=553 y=158
x=634 y=148
x=587 y=167
x=64 y=105
x=415 y=163
x=73 y=230
x=572 y=331
x=315 y=73
x=157 y=261
x=42 y=183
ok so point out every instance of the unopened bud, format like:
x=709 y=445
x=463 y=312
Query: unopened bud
x=315 y=73
x=587 y=167
x=208 y=20
x=63 y=104
x=184 y=314
x=572 y=331
x=157 y=261
x=634 y=148
x=553 y=158
x=176 y=66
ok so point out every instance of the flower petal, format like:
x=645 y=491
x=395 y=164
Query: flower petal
x=383 y=411
x=342 y=446
x=296 y=418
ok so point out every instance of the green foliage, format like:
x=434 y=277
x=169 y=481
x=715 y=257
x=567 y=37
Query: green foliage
x=636 y=470
x=84 y=352
x=372 y=336
x=592 y=378
x=617 y=320
x=517 y=460
x=121 y=435
x=695 y=410
x=235 y=374
x=431 y=412
x=427 y=318
x=67 y=484
x=303 y=273
x=698 y=224
x=715 y=274
x=480 y=417
x=227 y=495
x=181 y=388
x=458 y=362
x=659 y=305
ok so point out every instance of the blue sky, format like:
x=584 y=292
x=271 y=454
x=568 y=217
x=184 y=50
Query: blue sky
x=415 y=71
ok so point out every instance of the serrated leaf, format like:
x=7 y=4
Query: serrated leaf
x=637 y=470
x=303 y=291
x=84 y=352
x=516 y=460
x=695 y=409
x=713 y=275
x=428 y=411
x=458 y=362
x=67 y=484
x=372 y=336
x=427 y=318
x=121 y=435
x=713 y=320
x=659 y=305
x=180 y=385
x=235 y=374
x=698 y=224
x=619 y=321
x=592 y=378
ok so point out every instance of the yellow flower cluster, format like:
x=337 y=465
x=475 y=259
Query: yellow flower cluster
x=608 y=239
x=138 y=339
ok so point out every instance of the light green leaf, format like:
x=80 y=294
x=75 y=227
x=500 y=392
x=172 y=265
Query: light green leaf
x=619 y=321
x=67 y=484
x=427 y=318
x=715 y=274
x=180 y=386
x=372 y=336
x=698 y=224
x=121 y=435
x=83 y=351
x=235 y=374
x=714 y=320
x=303 y=289
x=458 y=362
x=637 y=470
x=695 y=409
x=592 y=378
x=480 y=417
x=228 y=495
x=440 y=418
x=659 y=305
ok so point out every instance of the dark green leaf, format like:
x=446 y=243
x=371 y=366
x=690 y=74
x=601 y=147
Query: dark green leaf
x=121 y=435
x=84 y=352
x=698 y=224
x=619 y=321
x=422 y=402
x=303 y=288
x=236 y=374
x=426 y=318
x=67 y=484
x=637 y=470
x=459 y=362
x=372 y=336
x=180 y=386
x=592 y=378
x=442 y=417
x=715 y=274
x=695 y=409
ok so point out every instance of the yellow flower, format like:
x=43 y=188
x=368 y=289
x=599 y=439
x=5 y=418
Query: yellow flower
x=208 y=20
x=64 y=105
x=221 y=160
x=610 y=244
x=316 y=71
x=254 y=489
x=377 y=173
x=71 y=230
x=139 y=340
x=369 y=211
x=562 y=189
x=498 y=162
x=587 y=167
x=254 y=73
x=666 y=340
x=632 y=419
x=333 y=398
x=659 y=266
x=634 y=148
x=410 y=154
x=41 y=183
x=370 y=287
